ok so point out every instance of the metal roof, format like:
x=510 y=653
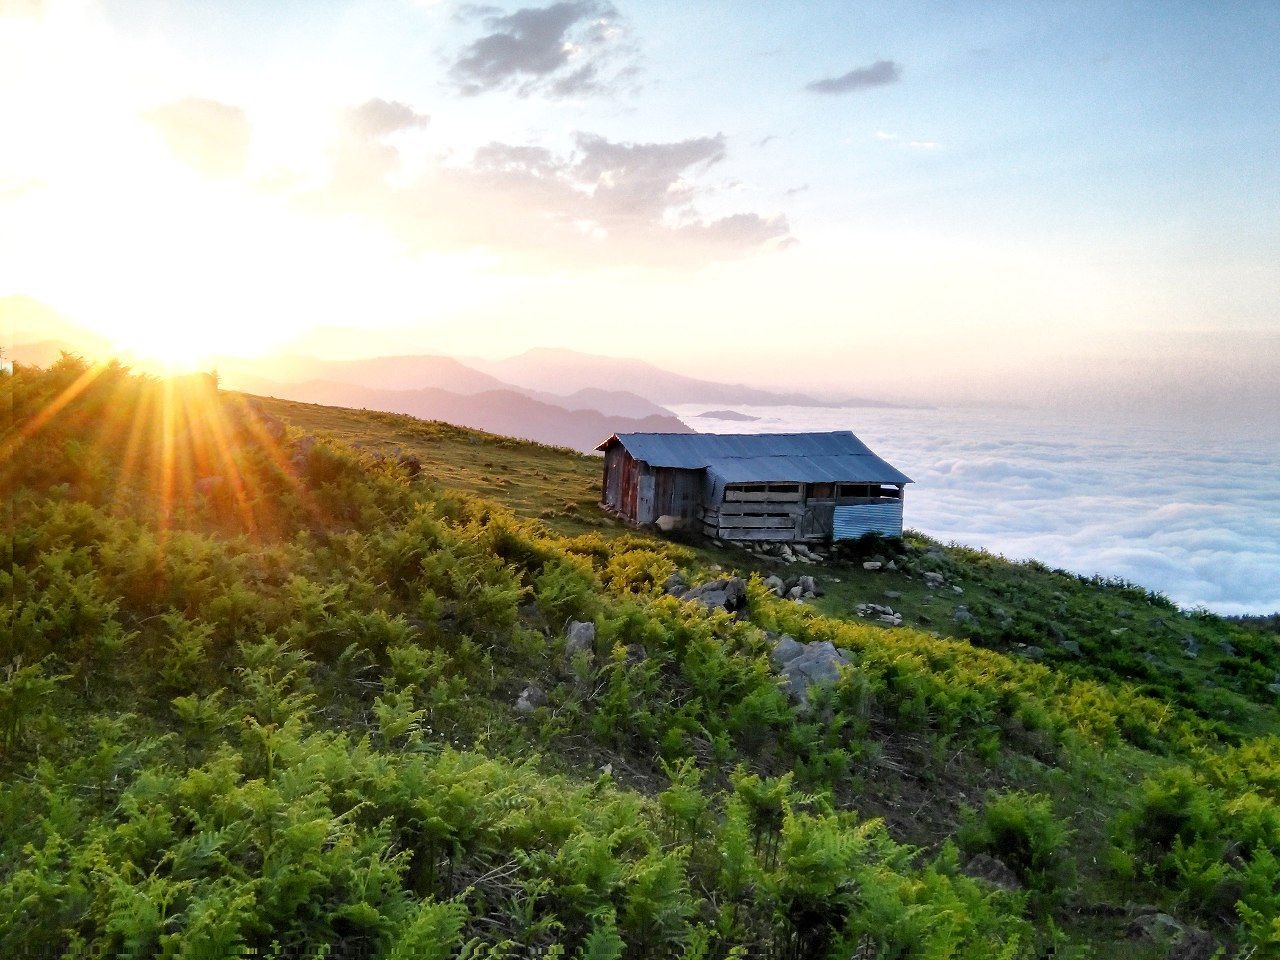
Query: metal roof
x=763 y=457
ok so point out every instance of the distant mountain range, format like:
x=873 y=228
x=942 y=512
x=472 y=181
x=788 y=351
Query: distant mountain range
x=497 y=411
x=545 y=368
x=429 y=370
x=556 y=396
x=521 y=395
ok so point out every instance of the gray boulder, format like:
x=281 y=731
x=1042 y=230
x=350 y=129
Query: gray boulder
x=983 y=866
x=302 y=449
x=1155 y=928
x=725 y=594
x=580 y=637
x=963 y=616
x=785 y=649
x=774 y=583
x=802 y=665
x=531 y=698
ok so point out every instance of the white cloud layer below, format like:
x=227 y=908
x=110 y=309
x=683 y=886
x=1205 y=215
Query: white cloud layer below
x=1195 y=517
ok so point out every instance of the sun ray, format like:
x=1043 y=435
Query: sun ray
x=53 y=408
x=280 y=459
x=165 y=465
x=138 y=428
x=216 y=421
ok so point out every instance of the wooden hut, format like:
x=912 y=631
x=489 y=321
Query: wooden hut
x=783 y=487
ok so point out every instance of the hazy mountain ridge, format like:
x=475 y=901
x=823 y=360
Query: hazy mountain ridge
x=543 y=367
x=501 y=411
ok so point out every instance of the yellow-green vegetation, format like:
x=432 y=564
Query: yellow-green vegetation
x=259 y=694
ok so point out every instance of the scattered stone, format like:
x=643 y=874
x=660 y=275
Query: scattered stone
x=580 y=637
x=983 y=866
x=411 y=464
x=891 y=565
x=804 y=553
x=674 y=585
x=301 y=455
x=932 y=579
x=1031 y=652
x=1070 y=647
x=531 y=615
x=1190 y=647
x=962 y=615
x=1227 y=647
x=666 y=523
x=727 y=594
x=1183 y=942
x=958 y=589
x=893 y=595
x=804 y=664
x=871 y=565
x=1194 y=944
x=531 y=698
x=774 y=583
x=795 y=593
x=785 y=553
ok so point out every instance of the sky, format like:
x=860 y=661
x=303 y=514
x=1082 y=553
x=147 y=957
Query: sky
x=1044 y=204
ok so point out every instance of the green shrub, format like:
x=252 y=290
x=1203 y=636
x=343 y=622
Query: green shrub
x=1021 y=831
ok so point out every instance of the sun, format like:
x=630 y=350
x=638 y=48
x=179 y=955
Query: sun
x=167 y=349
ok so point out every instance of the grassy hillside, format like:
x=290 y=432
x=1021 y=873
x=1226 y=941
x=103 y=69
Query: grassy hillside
x=272 y=693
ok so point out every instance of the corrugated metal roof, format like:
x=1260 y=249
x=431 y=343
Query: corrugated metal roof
x=862 y=468
x=763 y=457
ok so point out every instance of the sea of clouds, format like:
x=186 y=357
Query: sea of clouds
x=1190 y=511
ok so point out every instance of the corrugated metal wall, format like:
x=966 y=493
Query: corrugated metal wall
x=854 y=520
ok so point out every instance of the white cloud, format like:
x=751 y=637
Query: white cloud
x=1194 y=517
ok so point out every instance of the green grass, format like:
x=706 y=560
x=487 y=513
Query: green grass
x=551 y=483
x=279 y=713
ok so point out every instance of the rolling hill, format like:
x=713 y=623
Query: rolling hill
x=293 y=679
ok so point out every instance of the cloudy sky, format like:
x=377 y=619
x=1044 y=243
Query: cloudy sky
x=1019 y=202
